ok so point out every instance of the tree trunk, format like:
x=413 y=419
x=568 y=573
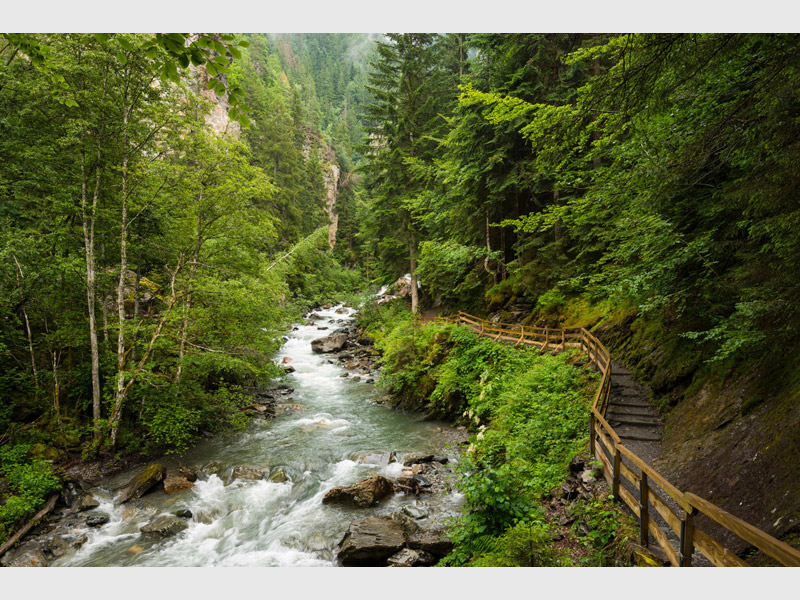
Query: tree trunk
x=20 y=276
x=119 y=396
x=489 y=250
x=91 y=279
x=187 y=305
x=412 y=252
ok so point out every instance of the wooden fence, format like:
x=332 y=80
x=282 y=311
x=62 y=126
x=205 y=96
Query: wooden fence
x=678 y=510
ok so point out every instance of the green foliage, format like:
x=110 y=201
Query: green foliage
x=30 y=481
x=529 y=412
x=604 y=526
x=528 y=543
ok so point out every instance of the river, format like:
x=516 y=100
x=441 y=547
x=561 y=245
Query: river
x=261 y=523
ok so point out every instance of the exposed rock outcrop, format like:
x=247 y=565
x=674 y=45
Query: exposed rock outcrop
x=370 y=541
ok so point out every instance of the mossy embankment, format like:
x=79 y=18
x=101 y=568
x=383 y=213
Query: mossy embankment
x=528 y=414
x=732 y=426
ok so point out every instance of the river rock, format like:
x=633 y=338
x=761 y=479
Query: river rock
x=415 y=512
x=96 y=519
x=405 y=558
x=142 y=483
x=412 y=459
x=247 y=473
x=370 y=541
x=84 y=502
x=27 y=555
x=278 y=475
x=331 y=343
x=55 y=545
x=163 y=526
x=362 y=494
x=176 y=484
x=188 y=473
x=434 y=541
x=211 y=468
x=183 y=513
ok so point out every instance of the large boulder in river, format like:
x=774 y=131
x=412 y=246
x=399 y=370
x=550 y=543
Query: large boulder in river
x=362 y=494
x=142 y=483
x=163 y=526
x=176 y=484
x=370 y=541
x=247 y=473
x=331 y=343
x=29 y=554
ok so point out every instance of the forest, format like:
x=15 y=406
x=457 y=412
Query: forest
x=170 y=204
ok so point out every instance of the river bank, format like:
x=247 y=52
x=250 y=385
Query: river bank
x=328 y=431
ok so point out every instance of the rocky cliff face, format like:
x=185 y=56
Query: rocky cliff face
x=218 y=118
x=332 y=175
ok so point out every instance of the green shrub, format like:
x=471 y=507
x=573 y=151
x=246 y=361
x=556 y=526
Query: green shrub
x=30 y=481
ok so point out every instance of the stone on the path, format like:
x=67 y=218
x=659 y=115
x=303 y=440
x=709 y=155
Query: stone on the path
x=142 y=483
x=173 y=485
x=362 y=494
x=163 y=526
x=331 y=343
x=370 y=541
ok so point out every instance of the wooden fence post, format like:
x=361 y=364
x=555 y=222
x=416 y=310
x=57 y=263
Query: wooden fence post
x=687 y=538
x=644 y=511
x=617 y=469
x=592 y=448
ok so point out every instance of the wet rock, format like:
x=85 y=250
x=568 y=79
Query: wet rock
x=27 y=555
x=247 y=473
x=84 y=502
x=77 y=543
x=408 y=485
x=184 y=513
x=288 y=369
x=142 y=483
x=415 y=512
x=412 y=459
x=163 y=526
x=173 y=485
x=370 y=541
x=362 y=494
x=211 y=468
x=405 y=558
x=410 y=526
x=96 y=520
x=331 y=343
x=434 y=541
x=55 y=545
x=341 y=311
x=188 y=473
x=278 y=475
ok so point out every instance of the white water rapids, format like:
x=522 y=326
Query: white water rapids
x=261 y=523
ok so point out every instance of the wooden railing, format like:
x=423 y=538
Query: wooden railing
x=678 y=511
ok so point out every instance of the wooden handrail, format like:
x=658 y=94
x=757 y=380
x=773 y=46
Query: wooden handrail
x=692 y=538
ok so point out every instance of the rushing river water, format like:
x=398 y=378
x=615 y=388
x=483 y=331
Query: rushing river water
x=261 y=523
